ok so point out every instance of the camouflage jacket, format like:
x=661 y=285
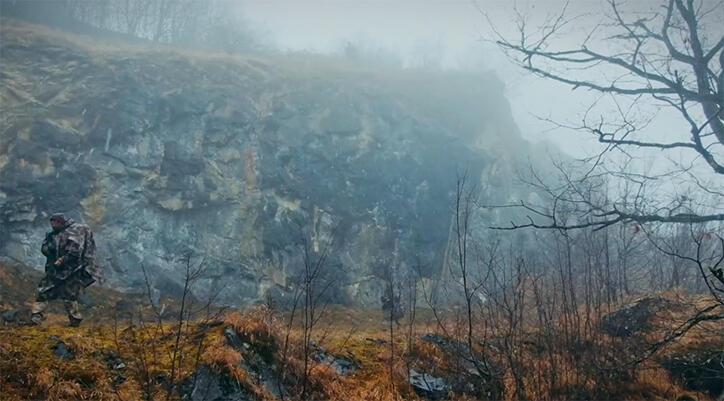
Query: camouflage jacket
x=75 y=244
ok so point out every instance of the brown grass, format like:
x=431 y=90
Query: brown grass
x=299 y=65
x=30 y=370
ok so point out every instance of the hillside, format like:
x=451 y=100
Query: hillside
x=165 y=153
x=127 y=354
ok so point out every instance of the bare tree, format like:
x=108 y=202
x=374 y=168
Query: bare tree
x=315 y=285
x=309 y=304
x=133 y=14
x=667 y=59
x=162 y=335
x=470 y=279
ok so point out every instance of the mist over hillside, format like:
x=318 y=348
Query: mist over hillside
x=233 y=203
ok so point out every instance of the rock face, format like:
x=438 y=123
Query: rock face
x=164 y=154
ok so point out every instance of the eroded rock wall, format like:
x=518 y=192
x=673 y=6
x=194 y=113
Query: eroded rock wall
x=164 y=153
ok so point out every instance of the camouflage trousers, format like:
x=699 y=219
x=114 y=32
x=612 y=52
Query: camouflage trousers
x=71 y=308
x=68 y=291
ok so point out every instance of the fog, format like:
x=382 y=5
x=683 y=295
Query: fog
x=438 y=34
x=541 y=180
x=460 y=32
x=449 y=35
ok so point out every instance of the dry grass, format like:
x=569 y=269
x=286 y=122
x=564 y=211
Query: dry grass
x=297 y=65
x=30 y=370
x=25 y=33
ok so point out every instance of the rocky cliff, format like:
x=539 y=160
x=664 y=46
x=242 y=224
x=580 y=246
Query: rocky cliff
x=237 y=159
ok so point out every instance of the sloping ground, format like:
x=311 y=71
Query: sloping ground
x=18 y=285
x=252 y=356
x=99 y=303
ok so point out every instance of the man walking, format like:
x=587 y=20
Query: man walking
x=69 y=249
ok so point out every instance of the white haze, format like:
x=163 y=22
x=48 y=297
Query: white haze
x=460 y=32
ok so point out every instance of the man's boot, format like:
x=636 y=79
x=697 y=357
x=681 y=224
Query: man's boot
x=74 y=316
x=37 y=317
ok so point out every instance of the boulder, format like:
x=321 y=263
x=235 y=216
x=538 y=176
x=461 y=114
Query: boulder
x=16 y=317
x=700 y=369
x=471 y=376
x=428 y=386
x=343 y=366
x=210 y=385
x=61 y=350
x=635 y=317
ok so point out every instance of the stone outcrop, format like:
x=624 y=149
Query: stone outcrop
x=636 y=317
x=699 y=368
x=163 y=154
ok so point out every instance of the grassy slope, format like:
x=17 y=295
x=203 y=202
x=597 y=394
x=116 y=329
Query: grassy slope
x=31 y=370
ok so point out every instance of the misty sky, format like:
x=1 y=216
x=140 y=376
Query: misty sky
x=460 y=29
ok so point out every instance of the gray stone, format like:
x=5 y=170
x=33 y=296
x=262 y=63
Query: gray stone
x=232 y=338
x=114 y=362
x=341 y=365
x=209 y=385
x=699 y=369
x=635 y=317
x=428 y=386
x=16 y=317
x=61 y=350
